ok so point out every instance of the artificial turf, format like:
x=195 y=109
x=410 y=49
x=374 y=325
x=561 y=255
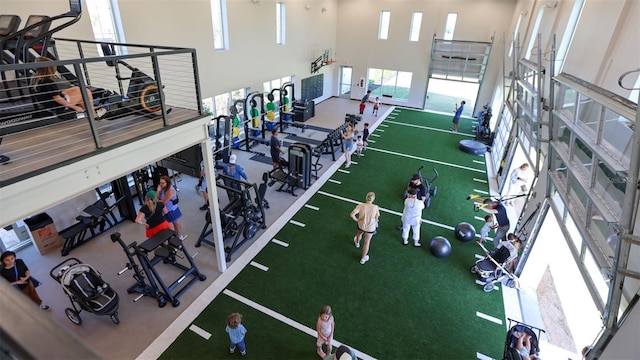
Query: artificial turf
x=404 y=303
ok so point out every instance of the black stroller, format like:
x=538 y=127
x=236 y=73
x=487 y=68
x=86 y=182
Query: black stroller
x=483 y=130
x=493 y=269
x=84 y=286
x=511 y=344
x=431 y=191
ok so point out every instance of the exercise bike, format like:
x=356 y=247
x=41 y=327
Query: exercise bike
x=143 y=95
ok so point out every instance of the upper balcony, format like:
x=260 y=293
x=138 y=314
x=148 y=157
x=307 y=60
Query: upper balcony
x=147 y=106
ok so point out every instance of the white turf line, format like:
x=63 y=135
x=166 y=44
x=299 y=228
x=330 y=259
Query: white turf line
x=294 y=324
x=200 y=331
x=480 y=180
x=259 y=266
x=483 y=357
x=429 y=160
x=281 y=243
x=311 y=207
x=481 y=191
x=428 y=128
x=479 y=162
x=335 y=182
x=376 y=135
x=385 y=210
x=171 y=333
x=297 y=223
x=489 y=318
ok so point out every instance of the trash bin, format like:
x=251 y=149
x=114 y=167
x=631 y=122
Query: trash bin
x=44 y=233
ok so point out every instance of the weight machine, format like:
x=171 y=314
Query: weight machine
x=165 y=246
x=242 y=218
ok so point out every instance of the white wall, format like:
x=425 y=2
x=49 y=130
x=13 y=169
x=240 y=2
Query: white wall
x=358 y=43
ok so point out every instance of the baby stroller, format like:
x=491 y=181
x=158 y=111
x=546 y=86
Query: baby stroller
x=511 y=344
x=84 y=286
x=493 y=269
x=483 y=131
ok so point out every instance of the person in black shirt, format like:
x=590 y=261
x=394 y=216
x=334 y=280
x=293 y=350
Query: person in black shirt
x=153 y=213
x=49 y=96
x=18 y=275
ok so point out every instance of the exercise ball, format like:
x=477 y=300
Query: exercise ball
x=465 y=232
x=440 y=247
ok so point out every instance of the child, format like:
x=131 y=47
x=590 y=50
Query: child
x=365 y=135
x=376 y=105
x=488 y=225
x=359 y=145
x=236 y=333
x=325 y=328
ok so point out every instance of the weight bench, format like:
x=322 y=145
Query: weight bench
x=288 y=181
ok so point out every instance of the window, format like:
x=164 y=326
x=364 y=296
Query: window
x=568 y=34
x=280 y=23
x=267 y=86
x=416 y=23
x=534 y=35
x=383 y=31
x=105 y=20
x=390 y=83
x=219 y=21
x=450 y=26
x=515 y=34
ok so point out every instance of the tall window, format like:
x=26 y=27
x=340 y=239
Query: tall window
x=267 y=86
x=105 y=20
x=383 y=31
x=515 y=34
x=280 y=23
x=390 y=83
x=450 y=26
x=416 y=23
x=219 y=21
x=534 y=34
x=570 y=29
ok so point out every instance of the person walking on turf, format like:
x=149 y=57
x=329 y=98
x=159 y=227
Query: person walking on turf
x=168 y=195
x=412 y=217
x=236 y=332
x=276 y=148
x=325 y=326
x=366 y=215
x=365 y=135
x=456 y=117
x=348 y=135
x=489 y=224
x=16 y=272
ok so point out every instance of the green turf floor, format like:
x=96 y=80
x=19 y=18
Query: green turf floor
x=404 y=303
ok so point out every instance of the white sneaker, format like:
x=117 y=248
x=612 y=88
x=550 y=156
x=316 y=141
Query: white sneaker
x=182 y=237
x=100 y=113
x=364 y=259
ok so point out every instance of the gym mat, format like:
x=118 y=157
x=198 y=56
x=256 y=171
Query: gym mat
x=318 y=128
x=305 y=140
x=261 y=158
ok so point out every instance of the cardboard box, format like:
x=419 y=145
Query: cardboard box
x=44 y=233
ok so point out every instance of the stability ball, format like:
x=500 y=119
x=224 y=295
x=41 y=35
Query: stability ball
x=440 y=247
x=465 y=232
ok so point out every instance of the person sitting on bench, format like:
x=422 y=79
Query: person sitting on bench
x=48 y=94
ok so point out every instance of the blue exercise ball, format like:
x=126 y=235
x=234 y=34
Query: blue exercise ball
x=465 y=232
x=440 y=247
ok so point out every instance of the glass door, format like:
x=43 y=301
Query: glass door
x=345 y=81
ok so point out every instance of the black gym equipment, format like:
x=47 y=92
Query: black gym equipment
x=143 y=95
x=483 y=129
x=295 y=173
x=254 y=135
x=165 y=245
x=100 y=217
x=286 y=116
x=242 y=218
x=432 y=191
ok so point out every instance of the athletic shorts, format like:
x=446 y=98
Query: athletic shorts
x=173 y=215
x=154 y=230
